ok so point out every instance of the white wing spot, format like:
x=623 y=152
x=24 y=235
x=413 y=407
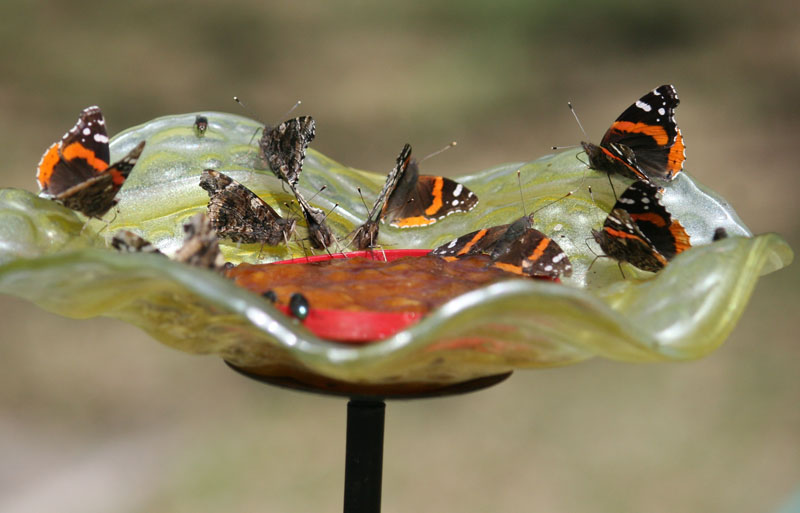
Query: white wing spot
x=457 y=190
x=662 y=111
x=644 y=106
x=102 y=139
x=86 y=131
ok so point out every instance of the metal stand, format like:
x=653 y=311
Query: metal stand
x=366 y=411
x=363 y=468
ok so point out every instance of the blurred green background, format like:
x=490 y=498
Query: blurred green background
x=96 y=417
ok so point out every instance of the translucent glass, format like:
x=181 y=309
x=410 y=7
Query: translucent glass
x=683 y=312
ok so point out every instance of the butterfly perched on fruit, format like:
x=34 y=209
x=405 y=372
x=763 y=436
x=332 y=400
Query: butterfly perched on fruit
x=644 y=142
x=75 y=171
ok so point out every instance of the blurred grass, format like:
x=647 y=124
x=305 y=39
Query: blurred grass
x=97 y=417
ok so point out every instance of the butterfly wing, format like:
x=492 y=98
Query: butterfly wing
x=536 y=254
x=622 y=240
x=642 y=202
x=81 y=154
x=238 y=214
x=200 y=245
x=422 y=200
x=284 y=147
x=365 y=235
x=473 y=243
x=649 y=129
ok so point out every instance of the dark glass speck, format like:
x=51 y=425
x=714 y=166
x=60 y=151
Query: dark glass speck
x=270 y=295
x=298 y=305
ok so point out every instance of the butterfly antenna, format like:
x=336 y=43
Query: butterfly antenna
x=299 y=102
x=575 y=115
x=440 y=150
x=335 y=206
x=317 y=194
x=251 y=114
x=360 y=195
x=521 y=196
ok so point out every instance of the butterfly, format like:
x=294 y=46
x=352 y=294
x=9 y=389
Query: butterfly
x=644 y=142
x=284 y=149
x=514 y=247
x=411 y=200
x=366 y=235
x=75 y=171
x=639 y=230
x=238 y=214
x=200 y=245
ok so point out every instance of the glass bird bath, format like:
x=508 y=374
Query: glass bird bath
x=684 y=312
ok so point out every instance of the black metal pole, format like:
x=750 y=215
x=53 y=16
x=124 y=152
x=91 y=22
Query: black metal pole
x=363 y=469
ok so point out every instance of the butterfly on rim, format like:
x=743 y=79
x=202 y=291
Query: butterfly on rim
x=284 y=149
x=411 y=200
x=200 y=245
x=639 y=230
x=515 y=247
x=644 y=142
x=75 y=171
x=366 y=235
x=238 y=214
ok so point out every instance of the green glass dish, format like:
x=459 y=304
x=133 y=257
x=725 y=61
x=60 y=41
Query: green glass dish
x=687 y=310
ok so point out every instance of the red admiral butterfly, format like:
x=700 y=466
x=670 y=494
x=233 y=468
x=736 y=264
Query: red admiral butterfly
x=75 y=170
x=514 y=247
x=414 y=200
x=200 y=246
x=365 y=235
x=644 y=142
x=410 y=200
x=237 y=214
x=639 y=230
x=284 y=149
x=126 y=241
